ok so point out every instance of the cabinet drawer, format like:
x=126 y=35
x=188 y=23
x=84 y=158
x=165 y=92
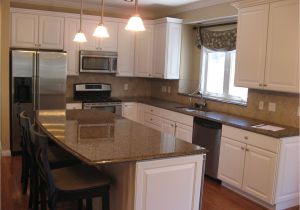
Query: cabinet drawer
x=149 y=118
x=152 y=110
x=254 y=139
x=73 y=106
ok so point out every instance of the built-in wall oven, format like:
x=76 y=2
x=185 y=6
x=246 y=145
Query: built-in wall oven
x=97 y=96
x=98 y=61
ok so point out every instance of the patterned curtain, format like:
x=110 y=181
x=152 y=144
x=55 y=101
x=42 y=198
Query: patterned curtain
x=216 y=40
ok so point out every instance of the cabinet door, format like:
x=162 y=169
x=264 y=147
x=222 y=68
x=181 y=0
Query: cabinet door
x=173 y=40
x=125 y=51
x=144 y=52
x=169 y=184
x=88 y=28
x=129 y=111
x=110 y=43
x=71 y=47
x=159 y=49
x=282 y=70
x=231 y=162
x=168 y=127
x=51 y=32
x=184 y=132
x=259 y=173
x=251 y=46
x=24 y=30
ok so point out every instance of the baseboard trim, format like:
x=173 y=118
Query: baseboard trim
x=5 y=153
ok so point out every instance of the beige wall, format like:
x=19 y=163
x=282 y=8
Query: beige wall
x=5 y=74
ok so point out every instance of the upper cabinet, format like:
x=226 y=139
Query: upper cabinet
x=167 y=48
x=126 y=44
x=37 y=31
x=105 y=44
x=144 y=52
x=268 y=45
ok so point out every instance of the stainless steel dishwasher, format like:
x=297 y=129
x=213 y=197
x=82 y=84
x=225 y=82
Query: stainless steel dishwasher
x=207 y=134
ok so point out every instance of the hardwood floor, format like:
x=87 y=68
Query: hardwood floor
x=215 y=196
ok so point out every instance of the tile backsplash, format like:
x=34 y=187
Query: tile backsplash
x=138 y=87
x=286 y=104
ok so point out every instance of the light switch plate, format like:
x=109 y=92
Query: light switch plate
x=272 y=107
x=261 y=105
x=126 y=86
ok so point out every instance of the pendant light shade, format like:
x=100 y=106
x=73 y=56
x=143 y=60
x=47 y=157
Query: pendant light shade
x=80 y=37
x=135 y=23
x=101 y=30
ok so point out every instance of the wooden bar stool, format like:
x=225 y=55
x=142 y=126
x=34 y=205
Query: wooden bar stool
x=69 y=183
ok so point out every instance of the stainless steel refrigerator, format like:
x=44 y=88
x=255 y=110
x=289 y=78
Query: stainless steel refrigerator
x=38 y=82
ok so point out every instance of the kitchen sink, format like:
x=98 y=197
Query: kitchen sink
x=193 y=109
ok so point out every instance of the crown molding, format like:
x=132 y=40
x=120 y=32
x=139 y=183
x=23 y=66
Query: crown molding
x=196 y=5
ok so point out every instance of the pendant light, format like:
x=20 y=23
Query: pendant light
x=135 y=23
x=80 y=37
x=101 y=31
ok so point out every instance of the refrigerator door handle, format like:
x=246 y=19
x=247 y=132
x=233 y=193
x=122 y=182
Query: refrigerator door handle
x=35 y=80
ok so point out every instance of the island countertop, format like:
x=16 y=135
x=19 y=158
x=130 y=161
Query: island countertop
x=98 y=137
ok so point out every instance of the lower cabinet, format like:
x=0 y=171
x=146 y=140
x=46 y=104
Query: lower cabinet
x=179 y=181
x=261 y=167
x=130 y=111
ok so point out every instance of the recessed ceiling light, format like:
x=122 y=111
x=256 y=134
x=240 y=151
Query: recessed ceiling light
x=128 y=0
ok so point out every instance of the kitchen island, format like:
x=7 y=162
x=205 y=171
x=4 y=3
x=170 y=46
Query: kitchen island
x=151 y=170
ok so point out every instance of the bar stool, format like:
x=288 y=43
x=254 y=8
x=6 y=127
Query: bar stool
x=69 y=183
x=57 y=156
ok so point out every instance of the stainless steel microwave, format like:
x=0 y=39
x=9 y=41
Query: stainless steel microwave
x=98 y=62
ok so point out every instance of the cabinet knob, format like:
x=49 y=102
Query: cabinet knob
x=242 y=148
x=246 y=137
x=247 y=150
x=150 y=119
x=265 y=85
x=260 y=85
x=151 y=110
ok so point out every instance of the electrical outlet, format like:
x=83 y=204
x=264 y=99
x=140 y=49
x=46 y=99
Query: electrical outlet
x=126 y=86
x=169 y=89
x=163 y=89
x=272 y=107
x=261 y=105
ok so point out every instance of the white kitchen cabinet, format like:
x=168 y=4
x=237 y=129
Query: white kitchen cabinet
x=267 y=45
x=24 y=30
x=126 y=44
x=167 y=48
x=260 y=173
x=144 y=52
x=263 y=168
x=37 y=31
x=282 y=68
x=184 y=132
x=72 y=26
x=130 y=111
x=51 y=32
x=104 y=44
x=251 y=46
x=179 y=181
x=231 y=162
x=168 y=126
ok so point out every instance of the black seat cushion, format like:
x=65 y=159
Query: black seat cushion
x=58 y=157
x=79 y=177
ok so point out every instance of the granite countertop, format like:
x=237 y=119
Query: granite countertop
x=98 y=137
x=226 y=119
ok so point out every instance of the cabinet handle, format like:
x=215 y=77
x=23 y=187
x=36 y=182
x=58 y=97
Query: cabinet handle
x=242 y=148
x=150 y=119
x=247 y=150
x=172 y=125
x=265 y=85
x=246 y=137
x=260 y=85
x=151 y=110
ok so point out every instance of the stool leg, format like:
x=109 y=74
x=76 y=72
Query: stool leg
x=105 y=201
x=80 y=204
x=89 y=204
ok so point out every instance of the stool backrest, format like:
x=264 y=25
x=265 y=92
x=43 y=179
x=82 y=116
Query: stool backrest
x=40 y=145
x=25 y=124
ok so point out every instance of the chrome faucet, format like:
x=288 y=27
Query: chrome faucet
x=202 y=101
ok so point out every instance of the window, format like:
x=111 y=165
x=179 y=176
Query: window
x=217 y=78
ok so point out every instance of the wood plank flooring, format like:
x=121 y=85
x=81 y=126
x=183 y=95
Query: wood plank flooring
x=215 y=196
